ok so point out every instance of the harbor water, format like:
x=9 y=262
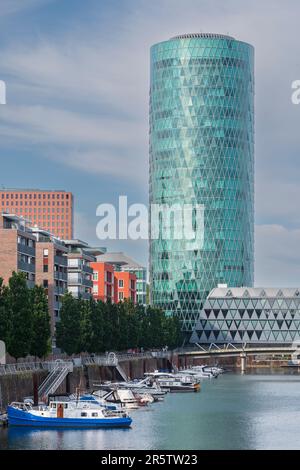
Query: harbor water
x=253 y=411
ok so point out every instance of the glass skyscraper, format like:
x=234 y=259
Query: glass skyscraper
x=202 y=152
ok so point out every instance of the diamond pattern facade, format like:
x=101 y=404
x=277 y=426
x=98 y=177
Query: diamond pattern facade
x=239 y=315
x=202 y=152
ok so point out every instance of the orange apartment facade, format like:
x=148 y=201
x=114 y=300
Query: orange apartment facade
x=125 y=286
x=49 y=210
x=111 y=285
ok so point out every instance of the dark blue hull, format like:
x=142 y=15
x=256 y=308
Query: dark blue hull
x=18 y=417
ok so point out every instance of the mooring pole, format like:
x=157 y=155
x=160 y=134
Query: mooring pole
x=35 y=389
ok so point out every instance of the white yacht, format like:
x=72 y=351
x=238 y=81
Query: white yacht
x=176 y=382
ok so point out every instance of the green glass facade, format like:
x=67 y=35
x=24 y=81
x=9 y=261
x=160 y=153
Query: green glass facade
x=202 y=152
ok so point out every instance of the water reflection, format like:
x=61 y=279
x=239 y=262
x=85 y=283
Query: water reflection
x=233 y=412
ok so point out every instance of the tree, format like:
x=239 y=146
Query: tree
x=5 y=321
x=132 y=323
x=41 y=331
x=156 y=327
x=20 y=314
x=98 y=327
x=68 y=330
x=86 y=326
x=111 y=339
x=172 y=329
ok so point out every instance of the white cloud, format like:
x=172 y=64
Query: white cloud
x=42 y=124
x=84 y=94
x=105 y=72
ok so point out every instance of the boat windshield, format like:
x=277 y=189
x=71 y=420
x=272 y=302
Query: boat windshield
x=21 y=406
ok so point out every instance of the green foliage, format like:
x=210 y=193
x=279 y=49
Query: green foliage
x=90 y=326
x=40 y=340
x=24 y=318
x=68 y=330
x=20 y=316
x=97 y=327
x=5 y=320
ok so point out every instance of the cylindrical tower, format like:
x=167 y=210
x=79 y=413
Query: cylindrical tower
x=202 y=152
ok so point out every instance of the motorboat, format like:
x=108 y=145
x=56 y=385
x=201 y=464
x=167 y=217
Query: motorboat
x=68 y=413
x=213 y=369
x=144 y=398
x=176 y=382
x=207 y=371
x=123 y=397
x=147 y=386
x=100 y=401
x=200 y=375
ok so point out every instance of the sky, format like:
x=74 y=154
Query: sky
x=76 y=118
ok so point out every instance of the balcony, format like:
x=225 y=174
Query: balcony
x=26 y=250
x=28 y=268
x=87 y=283
x=61 y=260
x=86 y=295
x=60 y=276
x=60 y=290
x=79 y=279
x=74 y=280
x=87 y=269
x=57 y=305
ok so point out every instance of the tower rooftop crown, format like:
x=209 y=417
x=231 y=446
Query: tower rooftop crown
x=202 y=35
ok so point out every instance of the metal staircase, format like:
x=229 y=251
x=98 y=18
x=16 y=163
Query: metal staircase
x=122 y=373
x=55 y=378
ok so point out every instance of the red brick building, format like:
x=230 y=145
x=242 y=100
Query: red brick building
x=49 y=210
x=17 y=248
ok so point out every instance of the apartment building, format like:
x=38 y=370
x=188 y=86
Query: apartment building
x=50 y=210
x=80 y=272
x=111 y=285
x=122 y=262
x=17 y=248
x=51 y=271
x=103 y=281
x=124 y=286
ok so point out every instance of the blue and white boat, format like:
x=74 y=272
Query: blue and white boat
x=70 y=414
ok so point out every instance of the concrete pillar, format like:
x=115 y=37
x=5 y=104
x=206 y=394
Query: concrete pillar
x=243 y=362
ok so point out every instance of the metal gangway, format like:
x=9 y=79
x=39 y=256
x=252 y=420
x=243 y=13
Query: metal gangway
x=55 y=378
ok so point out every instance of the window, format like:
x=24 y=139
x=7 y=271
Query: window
x=121 y=283
x=83 y=414
x=73 y=263
x=46 y=252
x=121 y=295
x=95 y=289
x=94 y=415
x=95 y=276
x=45 y=268
x=45 y=283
